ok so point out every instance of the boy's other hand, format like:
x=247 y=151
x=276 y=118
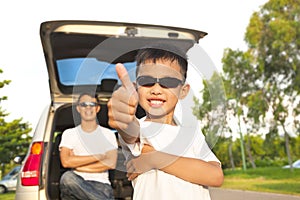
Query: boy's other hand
x=141 y=164
x=122 y=107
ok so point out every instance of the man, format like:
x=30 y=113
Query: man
x=90 y=151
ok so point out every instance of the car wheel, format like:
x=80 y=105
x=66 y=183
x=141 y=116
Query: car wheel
x=2 y=189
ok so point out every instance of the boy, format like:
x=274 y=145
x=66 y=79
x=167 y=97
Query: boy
x=165 y=164
x=90 y=150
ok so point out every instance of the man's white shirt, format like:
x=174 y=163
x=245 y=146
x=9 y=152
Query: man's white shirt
x=97 y=142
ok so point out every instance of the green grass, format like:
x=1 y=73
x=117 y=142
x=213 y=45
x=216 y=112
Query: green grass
x=275 y=180
x=267 y=179
x=7 y=196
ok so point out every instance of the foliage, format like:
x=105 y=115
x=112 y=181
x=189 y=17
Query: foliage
x=14 y=135
x=263 y=89
x=2 y=84
x=14 y=139
x=265 y=152
x=273 y=38
x=211 y=110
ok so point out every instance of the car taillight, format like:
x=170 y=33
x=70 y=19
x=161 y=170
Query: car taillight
x=31 y=171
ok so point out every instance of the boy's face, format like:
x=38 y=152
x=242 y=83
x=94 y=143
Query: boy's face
x=88 y=108
x=159 y=99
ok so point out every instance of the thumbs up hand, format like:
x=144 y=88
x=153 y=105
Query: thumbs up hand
x=122 y=107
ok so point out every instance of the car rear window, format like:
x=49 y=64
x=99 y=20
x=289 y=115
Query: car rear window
x=89 y=71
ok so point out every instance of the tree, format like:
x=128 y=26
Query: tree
x=273 y=38
x=212 y=110
x=14 y=135
x=2 y=84
x=265 y=78
x=244 y=97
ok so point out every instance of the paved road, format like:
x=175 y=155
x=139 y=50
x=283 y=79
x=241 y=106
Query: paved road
x=226 y=194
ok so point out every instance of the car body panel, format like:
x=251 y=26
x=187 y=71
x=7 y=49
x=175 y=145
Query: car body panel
x=295 y=164
x=28 y=193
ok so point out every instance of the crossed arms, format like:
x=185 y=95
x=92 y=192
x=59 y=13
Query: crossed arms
x=92 y=163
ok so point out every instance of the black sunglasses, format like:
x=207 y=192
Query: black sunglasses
x=166 y=82
x=86 y=104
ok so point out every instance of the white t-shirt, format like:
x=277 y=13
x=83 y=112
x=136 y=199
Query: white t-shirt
x=176 y=140
x=82 y=143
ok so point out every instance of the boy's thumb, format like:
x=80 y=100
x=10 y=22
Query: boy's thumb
x=124 y=76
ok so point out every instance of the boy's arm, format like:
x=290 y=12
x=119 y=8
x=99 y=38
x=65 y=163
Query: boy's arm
x=193 y=170
x=189 y=169
x=109 y=162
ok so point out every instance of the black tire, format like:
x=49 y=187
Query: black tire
x=2 y=189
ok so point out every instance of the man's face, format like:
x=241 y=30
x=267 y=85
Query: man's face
x=159 y=99
x=88 y=108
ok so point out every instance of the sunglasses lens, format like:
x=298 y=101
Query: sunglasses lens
x=146 y=81
x=169 y=82
x=86 y=104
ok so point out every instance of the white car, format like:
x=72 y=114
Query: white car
x=295 y=164
x=9 y=181
x=80 y=56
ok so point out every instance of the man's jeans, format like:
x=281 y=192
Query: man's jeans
x=74 y=187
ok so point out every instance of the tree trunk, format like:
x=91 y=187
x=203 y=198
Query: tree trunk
x=248 y=149
x=231 y=156
x=287 y=148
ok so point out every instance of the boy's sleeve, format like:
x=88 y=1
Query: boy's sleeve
x=203 y=151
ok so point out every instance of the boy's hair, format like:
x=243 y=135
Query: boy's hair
x=162 y=51
x=91 y=94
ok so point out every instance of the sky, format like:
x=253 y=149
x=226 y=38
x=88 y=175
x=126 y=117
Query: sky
x=22 y=59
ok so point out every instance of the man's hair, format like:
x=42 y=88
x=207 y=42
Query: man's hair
x=91 y=94
x=162 y=51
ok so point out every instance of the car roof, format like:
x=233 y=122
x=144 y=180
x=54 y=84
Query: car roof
x=95 y=47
